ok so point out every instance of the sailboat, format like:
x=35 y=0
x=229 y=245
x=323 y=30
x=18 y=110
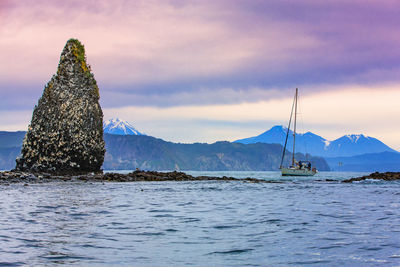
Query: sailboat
x=297 y=168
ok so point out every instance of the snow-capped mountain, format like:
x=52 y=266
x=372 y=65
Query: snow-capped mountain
x=356 y=144
x=348 y=145
x=121 y=127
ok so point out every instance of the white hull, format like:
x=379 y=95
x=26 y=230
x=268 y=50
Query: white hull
x=297 y=172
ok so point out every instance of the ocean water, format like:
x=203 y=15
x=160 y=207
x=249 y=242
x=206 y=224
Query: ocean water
x=295 y=222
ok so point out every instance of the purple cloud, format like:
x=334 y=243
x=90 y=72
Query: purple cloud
x=148 y=52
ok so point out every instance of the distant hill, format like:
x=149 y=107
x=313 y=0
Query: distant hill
x=149 y=153
x=8 y=156
x=11 y=139
x=345 y=146
x=121 y=127
x=10 y=148
x=381 y=162
x=146 y=152
x=131 y=151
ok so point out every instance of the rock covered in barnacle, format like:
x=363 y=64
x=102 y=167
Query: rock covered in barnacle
x=14 y=176
x=66 y=133
x=386 y=176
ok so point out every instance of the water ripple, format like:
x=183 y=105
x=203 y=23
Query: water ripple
x=207 y=223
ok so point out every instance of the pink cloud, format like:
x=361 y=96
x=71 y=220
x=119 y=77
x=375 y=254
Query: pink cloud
x=157 y=47
x=196 y=53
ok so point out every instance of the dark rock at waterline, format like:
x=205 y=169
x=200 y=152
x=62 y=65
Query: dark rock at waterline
x=66 y=130
x=8 y=177
x=387 y=176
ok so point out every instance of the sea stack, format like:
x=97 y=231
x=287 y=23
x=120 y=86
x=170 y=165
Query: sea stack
x=66 y=130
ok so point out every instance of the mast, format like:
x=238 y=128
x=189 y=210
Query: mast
x=287 y=132
x=294 y=127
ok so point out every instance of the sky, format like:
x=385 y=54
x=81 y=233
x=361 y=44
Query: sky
x=203 y=71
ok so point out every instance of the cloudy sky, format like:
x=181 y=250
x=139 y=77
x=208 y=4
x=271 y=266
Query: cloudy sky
x=202 y=71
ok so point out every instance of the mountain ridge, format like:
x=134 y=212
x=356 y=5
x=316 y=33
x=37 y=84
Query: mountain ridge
x=347 y=145
x=146 y=152
x=150 y=153
x=10 y=146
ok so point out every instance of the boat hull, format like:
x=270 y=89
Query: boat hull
x=297 y=172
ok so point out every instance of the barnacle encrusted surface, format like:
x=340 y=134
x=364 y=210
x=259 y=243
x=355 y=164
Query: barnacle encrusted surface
x=66 y=130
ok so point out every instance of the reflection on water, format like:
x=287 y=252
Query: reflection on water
x=297 y=222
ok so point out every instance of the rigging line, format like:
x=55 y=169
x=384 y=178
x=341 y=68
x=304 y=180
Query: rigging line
x=287 y=134
x=294 y=127
x=303 y=131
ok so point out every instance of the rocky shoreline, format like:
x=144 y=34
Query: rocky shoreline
x=14 y=176
x=386 y=176
x=8 y=177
